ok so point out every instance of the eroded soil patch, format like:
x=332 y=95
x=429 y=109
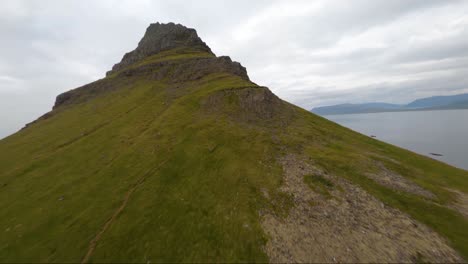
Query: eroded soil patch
x=350 y=225
x=397 y=182
x=461 y=203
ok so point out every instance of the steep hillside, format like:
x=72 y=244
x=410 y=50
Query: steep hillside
x=176 y=156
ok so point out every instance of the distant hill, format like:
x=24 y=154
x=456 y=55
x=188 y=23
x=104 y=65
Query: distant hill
x=439 y=101
x=459 y=101
x=355 y=108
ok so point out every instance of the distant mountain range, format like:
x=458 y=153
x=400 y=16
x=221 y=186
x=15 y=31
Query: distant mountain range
x=459 y=101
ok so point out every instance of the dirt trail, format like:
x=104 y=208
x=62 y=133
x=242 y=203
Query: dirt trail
x=95 y=240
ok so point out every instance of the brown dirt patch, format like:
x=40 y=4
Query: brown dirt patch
x=461 y=203
x=397 y=182
x=350 y=226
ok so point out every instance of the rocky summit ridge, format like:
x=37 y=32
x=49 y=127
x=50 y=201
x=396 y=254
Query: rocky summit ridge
x=159 y=37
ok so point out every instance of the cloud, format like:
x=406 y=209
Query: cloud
x=311 y=53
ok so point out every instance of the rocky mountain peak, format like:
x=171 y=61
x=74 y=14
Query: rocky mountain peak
x=159 y=37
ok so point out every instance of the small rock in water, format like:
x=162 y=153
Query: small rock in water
x=436 y=154
x=373 y=136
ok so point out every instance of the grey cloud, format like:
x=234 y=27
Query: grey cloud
x=399 y=93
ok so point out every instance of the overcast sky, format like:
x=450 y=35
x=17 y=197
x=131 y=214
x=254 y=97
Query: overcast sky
x=311 y=53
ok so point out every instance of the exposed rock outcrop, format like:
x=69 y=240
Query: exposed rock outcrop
x=250 y=104
x=160 y=37
x=169 y=71
x=187 y=69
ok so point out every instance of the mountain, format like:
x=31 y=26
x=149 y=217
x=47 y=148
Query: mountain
x=459 y=101
x=438 y=101
x=355 y=108
x=177 y=156
x=455 y=105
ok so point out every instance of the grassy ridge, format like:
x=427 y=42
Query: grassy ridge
x=91 y=154
x=199 y=175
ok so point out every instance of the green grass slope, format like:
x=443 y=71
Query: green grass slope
x=163 y=171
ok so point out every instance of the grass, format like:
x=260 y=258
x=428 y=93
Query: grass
x=319 y=184
x=201 y=206
x=63 y=177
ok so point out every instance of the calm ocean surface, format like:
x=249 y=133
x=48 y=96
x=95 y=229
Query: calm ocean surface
x=444 y=132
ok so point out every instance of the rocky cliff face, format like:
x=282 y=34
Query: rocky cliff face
x=157 y=39
x=160 y=37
